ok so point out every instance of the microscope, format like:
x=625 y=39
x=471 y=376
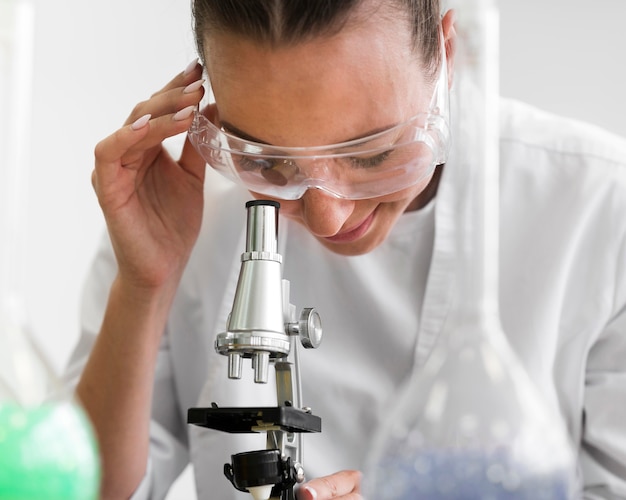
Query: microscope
x=265 y=328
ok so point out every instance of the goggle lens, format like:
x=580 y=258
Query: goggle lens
x=374 y=166
x=352 y=172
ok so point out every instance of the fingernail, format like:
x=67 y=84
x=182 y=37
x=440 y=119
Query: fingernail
x=311 y=491
x=141 y=122
x=192 y=87
x=191 y=66
x=184 y=113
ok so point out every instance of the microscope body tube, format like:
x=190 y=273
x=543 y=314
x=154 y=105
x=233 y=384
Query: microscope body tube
x=258 y=308
x=256 y=324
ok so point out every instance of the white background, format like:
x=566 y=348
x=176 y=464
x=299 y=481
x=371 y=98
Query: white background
x=95 y=60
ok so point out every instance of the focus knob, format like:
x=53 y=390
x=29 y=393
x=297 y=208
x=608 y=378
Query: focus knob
x=310 y=328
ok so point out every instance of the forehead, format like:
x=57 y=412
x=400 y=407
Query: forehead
x=321 y=91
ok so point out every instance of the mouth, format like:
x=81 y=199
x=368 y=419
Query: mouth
x=353 y=233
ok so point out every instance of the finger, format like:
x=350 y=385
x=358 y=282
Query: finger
x=161 y=128
x=308 y=493
x=169 y=102
x=344 y=484
x=109 y=152
x=192 y=72
x=114 y=147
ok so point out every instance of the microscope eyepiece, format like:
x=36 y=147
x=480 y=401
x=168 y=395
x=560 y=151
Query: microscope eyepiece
x=256 y=203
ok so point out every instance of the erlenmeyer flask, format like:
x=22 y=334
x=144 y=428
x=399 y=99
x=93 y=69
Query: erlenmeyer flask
x=470 y=424
x=47 y=446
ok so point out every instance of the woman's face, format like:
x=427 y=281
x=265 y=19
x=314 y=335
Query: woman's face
x=325 y=91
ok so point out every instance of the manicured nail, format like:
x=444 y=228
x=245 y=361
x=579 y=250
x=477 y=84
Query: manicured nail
x=184 y=113
x=191 y=66
x=311 y=491
x=141 y=122
x=192 y=87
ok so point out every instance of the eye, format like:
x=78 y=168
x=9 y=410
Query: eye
x=370 y=161
x=275 y=171
x=251 y=164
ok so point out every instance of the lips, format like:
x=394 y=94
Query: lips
x=354 y=233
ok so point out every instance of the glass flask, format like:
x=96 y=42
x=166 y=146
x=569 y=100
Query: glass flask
x=47 y=446
x=469 y=423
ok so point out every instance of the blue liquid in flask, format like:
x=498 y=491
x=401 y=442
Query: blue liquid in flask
x=463 y=475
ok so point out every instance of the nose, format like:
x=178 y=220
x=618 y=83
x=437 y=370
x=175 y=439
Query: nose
x=323 y=214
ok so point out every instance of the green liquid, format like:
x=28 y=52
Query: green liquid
x=47 y=453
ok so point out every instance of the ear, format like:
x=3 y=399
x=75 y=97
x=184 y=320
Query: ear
x=448 y=25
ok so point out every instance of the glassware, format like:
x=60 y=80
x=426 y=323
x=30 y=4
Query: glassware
x=47 y=446
x=469 y=424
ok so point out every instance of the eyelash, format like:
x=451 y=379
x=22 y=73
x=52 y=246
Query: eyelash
x=250 y=164
x=371 y=161
x=355 y=161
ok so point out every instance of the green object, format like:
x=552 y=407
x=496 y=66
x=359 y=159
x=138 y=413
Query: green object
x=47 y=452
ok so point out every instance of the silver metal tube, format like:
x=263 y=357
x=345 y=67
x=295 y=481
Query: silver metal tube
x=262 y=233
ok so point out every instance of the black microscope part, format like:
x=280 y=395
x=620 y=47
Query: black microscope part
x=253 y=419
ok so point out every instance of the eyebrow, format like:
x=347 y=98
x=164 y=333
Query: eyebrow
x=231 y=129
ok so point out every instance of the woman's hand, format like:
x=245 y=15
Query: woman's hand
x=345 y=485
x=151 y=203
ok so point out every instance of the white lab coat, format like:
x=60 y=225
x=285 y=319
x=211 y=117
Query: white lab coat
x=562 y=300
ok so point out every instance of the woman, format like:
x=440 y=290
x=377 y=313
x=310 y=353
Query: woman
x=371 y=255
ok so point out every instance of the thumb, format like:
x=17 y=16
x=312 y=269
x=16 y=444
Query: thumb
x=191 y=160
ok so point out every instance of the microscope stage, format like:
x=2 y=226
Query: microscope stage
x=255 y=419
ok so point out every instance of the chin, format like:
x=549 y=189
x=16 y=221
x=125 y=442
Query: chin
x=363 y=245
x=347 y=249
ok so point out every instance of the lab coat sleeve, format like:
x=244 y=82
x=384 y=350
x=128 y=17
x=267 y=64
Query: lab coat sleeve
x=168 y=454
x=603 y=454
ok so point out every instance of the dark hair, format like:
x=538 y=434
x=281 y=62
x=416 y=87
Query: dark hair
x=285 y=22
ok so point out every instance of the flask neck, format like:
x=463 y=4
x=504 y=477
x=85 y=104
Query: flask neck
x=21 y=374
x=16 y=65
x=476 y=164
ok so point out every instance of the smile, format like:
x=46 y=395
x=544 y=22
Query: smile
x=354 y=233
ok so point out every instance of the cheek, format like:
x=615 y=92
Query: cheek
x=291 y=209
x=403 y=199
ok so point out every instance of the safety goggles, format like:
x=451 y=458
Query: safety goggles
x=369 y=167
